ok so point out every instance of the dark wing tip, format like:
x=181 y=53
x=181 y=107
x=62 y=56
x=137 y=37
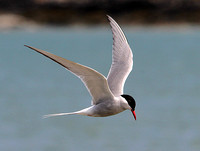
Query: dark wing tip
x=37 y=50
x=28 y=46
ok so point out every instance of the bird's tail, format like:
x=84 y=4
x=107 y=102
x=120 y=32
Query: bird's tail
x=59 y=114
x=86 y=112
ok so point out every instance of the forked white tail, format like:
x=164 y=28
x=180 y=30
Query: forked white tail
x=86 y=111
x=59 y=114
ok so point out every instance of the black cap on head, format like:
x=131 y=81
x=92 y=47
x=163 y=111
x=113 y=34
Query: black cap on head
x=131 y=102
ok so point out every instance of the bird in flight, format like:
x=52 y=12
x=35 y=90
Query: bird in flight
x=107 y=93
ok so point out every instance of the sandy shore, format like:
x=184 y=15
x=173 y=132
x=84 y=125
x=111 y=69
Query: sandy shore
x=10 y=21
x=14 y=21
x=89 y=12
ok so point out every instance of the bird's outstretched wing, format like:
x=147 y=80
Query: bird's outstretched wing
x=122 y=60
x=95 y=82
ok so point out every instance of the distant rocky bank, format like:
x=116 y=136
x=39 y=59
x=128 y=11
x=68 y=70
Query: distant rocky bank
x=62 y=12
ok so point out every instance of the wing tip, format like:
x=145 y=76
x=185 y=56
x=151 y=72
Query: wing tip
x=109 y=18
x=26 y=46
x=29 y=47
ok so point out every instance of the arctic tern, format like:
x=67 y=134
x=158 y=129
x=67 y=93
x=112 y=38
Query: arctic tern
x=107 y=93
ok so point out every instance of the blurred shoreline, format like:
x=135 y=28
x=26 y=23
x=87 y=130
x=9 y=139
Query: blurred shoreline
x=93 y=12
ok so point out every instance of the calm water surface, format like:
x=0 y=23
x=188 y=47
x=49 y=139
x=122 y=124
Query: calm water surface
x=165 y=83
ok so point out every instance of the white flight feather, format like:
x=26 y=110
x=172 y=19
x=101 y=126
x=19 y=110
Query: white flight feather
x=122 y=60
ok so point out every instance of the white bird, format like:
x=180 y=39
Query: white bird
x=107 y=93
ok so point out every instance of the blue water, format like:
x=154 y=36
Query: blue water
x=165 y=83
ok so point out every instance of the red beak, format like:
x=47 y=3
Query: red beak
x=133 y=111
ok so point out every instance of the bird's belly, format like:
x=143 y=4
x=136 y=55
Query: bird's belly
x=103 y=110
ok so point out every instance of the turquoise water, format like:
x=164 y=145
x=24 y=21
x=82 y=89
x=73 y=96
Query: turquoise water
x=164 y=82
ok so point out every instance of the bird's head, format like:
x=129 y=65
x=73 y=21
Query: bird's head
x=131 y=103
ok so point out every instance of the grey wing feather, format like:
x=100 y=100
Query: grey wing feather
x=95 y=82
x=122 y=60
